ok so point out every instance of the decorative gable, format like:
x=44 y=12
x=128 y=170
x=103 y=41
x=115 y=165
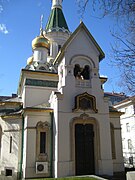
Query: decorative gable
x=85 y=102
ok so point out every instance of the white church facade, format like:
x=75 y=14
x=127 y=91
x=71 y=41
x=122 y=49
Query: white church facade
x=60 y=124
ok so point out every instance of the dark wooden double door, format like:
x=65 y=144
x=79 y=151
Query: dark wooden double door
x=84 y=149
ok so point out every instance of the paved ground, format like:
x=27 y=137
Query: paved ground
x=118 y=176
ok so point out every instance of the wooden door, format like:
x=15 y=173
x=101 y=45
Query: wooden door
x=84 y=149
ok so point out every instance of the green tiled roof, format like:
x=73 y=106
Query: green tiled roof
x=56 y=21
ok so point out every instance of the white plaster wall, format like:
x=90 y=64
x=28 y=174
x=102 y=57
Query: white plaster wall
x=40 y=55
x=30 y=139
x=36 y=95
x=127 y=118
x=64 y=164
x=10 y=160
x=56 y=38
x=82 y=45
x=118 y=163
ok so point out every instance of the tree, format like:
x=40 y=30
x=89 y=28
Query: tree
x=124 y=50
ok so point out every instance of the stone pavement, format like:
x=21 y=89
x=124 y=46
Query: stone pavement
x=117 y=176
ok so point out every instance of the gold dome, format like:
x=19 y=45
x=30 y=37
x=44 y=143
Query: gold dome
x=30 y=60
x=40 y=41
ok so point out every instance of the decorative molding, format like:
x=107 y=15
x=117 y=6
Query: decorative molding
x=32 y=128
x=41 y=83
x=85 y=102
x=29 y=72
x=12 y=130
x=34 y=109
x=84 y=57
x=84 y=116
x=43 y=127
x=16 y=116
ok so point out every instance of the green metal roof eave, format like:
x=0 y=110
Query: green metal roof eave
x=82 y=25
x=56 y=20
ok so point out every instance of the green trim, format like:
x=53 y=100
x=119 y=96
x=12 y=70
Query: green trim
x=22 y=146
x=25 y=72
x=56 y=21
x=41 y=83
x=51 y=146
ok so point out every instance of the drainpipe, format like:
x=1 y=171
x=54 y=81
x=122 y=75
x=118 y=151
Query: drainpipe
x=51 y=145
x=22 y=144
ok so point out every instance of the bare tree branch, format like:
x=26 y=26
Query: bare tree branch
x=124 y=49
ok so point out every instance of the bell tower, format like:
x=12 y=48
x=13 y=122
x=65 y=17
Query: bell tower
x=56 y=30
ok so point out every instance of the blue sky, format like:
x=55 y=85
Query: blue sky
x=20 y=24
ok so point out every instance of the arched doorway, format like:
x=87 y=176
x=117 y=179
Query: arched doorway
x=85 y=134
x=84 y=149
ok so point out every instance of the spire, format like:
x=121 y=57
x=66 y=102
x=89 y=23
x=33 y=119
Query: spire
x=56 y=21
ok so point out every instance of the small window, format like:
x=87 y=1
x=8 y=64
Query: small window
x=42 y=68
x=43 y=134
x=77 y=70
x=42 y=142
x=82 y=73
x=129 y=144
x=8 y=172
x=131 y=160
x=10 y=145
x=86 y=73
x=128 y=127
x=59 y=47
x=49 y=52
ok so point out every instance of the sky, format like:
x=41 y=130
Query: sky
x=20 y=24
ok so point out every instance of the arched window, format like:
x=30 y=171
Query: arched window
x=86 y=72
x=43 y=129
x=82 y=73
x=42 y=68
x=77 y=70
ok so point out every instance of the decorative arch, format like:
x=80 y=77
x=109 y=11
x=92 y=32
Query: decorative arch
x=85 y=119
x=85 y=102
x=85 y=60
x=82 y=67
x=42 y=141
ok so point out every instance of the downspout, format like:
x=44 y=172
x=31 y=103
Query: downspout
x=22 y=145
x=51 y=146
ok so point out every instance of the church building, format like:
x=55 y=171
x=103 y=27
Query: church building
x=60 y=123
